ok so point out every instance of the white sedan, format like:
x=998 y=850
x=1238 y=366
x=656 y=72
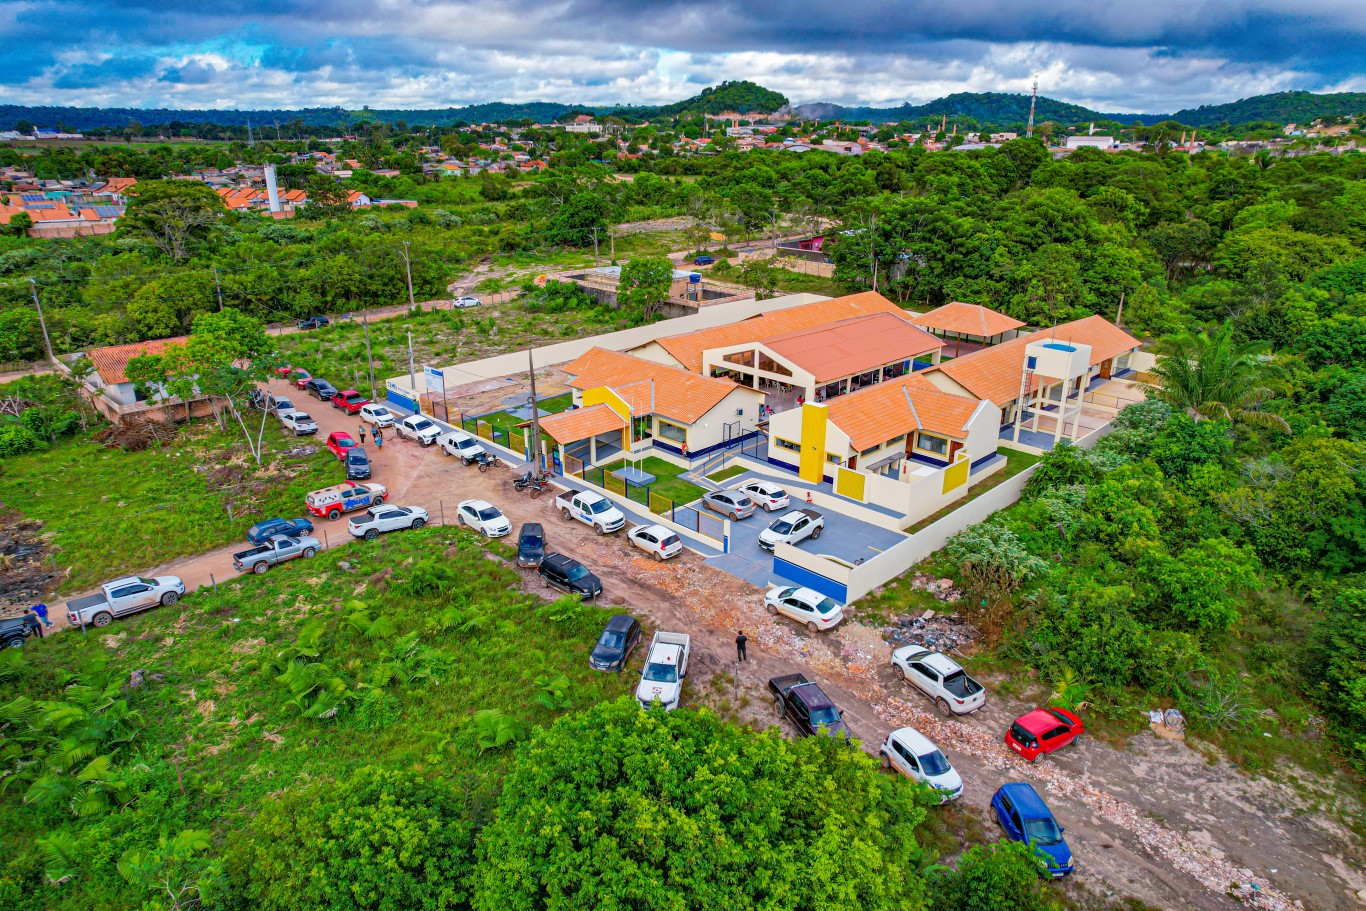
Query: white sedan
x=914 y=755
x=767 y=494
x=656 y=540
x=376 y=414
x=805 y=606
x=376 y=520
x=483 y=517
x=466 y=301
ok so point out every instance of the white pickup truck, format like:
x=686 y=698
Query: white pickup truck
x=591 y=509
x=792 y=527
x=666 y=664
x=124 y=596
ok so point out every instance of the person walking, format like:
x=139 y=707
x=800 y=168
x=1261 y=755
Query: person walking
x=740 y=641
x=362 y=434
x=40 y=609
x=379 y=439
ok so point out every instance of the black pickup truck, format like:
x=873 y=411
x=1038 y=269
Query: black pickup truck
x=14 y=631
x=807 y=706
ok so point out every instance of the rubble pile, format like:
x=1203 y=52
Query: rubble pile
x=942 y=589
x=940 y=632
x=136 y=434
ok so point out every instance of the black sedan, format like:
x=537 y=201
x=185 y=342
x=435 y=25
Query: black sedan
x=322 y=390
x=618 y=640
x=357 y=464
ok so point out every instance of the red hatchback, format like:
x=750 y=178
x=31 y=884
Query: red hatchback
x=349 y=401
x=301 y=377
x=1043 y=731
x=339 y=442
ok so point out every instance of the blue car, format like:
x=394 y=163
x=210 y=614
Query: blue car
x=704 y=260
x=261 y=532
x=1026 y=818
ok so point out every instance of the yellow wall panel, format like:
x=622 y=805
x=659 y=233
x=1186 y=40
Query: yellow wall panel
x=811 y=467
x=850 y=484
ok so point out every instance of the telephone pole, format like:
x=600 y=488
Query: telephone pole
x=1033 y=99
x=218 y=288
x=408 y=267
x=412 y=374
x=534 y=444
x=47 y=342
x=595 y=246
x=369 y=358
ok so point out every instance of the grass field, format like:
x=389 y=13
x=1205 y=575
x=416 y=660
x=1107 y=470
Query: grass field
x=108 y=512
x=425 y=643
x=506 y=422
x=1016 y=462
x=667 y=481
x=725 y=474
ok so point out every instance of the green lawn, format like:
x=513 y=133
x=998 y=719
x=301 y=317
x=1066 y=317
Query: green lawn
x=109 y=513
x=1016 y=462
x=506 y=422
x=407 y=641
x=667 y=481
x=725 y=474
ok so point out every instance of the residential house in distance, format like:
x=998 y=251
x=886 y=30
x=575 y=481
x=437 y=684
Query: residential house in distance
x=1090 y=142
x=115 y=395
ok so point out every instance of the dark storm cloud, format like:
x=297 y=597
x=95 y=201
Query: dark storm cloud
x=1155 y=55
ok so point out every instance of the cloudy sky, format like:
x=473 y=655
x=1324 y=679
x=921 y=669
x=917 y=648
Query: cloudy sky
x=1114 y=55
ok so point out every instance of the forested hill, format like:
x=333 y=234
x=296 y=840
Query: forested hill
x=1280 y=107
x=998 y=108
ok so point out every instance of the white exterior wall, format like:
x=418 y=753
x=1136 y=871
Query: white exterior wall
x=984 y=428
x=709 y=430
x=715 y=357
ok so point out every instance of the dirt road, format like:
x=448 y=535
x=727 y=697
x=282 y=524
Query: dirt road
x=1159 y=821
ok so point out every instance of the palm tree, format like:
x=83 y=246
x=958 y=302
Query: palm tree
x=1211 y=376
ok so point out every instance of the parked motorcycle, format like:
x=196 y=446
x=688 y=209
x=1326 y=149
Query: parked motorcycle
x=534 y=484
x=484 y=460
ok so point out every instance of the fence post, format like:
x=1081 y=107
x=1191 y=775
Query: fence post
x=326 y=543
x=214 y=583
x=443 y=512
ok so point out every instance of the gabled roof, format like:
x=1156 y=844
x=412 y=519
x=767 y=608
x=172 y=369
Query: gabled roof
x=581 y=423
x=995 y=373
x=687 y=348
x=853 y=346
x=674 y=393
x=874 y=415
x=967 y=319
x=110 y=363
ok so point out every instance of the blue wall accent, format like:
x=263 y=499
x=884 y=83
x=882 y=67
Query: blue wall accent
x=927 y=460
x=401 y=401
x=781 y=464
x=694 y=455
x=803 y=576
x=982 y=461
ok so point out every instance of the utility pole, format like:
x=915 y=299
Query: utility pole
x=595 y=245
x=47 y=342
x=218 y=288
x=412 y=374
x=408 y=267
x=613 y=238
x=534 y=444
x=369 y=359
x=1033 y=99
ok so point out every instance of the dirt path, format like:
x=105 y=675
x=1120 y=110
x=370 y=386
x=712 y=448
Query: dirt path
x=1159 y=821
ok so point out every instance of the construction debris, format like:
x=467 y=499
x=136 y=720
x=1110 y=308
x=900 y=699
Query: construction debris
x=941 y=632
x=942 y=589
x=136 y=434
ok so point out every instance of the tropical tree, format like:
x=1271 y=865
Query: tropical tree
x=1211 y=376
x=644 y=284
x=173 y=214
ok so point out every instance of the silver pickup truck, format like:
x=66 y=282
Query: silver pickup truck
x=278 y=549
x=124 y=596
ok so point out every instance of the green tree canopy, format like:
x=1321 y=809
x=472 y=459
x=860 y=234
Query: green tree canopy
x=619 y=808
x=1214 y=376
x=174 y=215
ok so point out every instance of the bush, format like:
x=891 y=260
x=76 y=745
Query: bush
x=619 y=808
x=380 y=841
x=16 y=439
x=992 y=877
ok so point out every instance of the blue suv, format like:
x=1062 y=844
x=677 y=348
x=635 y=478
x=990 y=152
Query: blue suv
x=1026 y=818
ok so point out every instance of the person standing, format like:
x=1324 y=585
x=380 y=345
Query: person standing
x=379 y=439
x=40 y=609
x=362 y=434
x=740 y=641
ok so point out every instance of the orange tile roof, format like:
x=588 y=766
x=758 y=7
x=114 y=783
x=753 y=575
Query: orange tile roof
x=874 y=415
x=687 y=348
x=581 y=423
x=994 y=373
x=677 y=394
x=110 y=363
x=853 y=346
x=967 y=319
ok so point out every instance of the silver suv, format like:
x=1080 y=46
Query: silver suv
x=729 y=502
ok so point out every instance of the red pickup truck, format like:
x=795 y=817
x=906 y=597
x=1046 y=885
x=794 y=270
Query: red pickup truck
x=349 y=401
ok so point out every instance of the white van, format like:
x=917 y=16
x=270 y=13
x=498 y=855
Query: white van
x=463 y=445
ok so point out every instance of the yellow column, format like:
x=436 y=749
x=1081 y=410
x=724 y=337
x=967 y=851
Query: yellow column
x=811 y=467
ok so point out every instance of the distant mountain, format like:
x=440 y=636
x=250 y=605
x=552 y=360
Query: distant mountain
x=995 y=108
x=1280 y=107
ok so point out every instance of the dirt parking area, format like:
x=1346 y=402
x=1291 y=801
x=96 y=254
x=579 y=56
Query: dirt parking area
x=1161 y=821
